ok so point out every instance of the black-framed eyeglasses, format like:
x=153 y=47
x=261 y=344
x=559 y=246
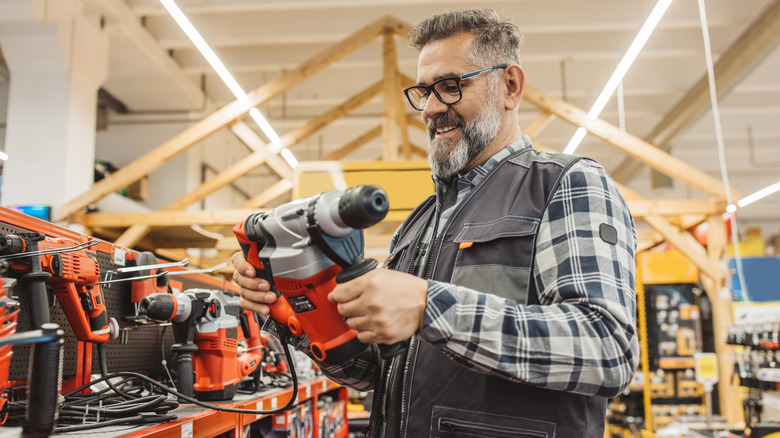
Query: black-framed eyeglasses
x=447 y=90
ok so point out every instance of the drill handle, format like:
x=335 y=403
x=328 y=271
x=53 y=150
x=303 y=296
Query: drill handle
x=355 y=271
x=85 y=311
x=184 y=377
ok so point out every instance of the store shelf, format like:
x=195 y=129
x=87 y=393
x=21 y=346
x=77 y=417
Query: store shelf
x=197 y=422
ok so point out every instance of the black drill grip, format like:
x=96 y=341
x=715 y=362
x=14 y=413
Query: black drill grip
x=354 y=271
x=44 y=378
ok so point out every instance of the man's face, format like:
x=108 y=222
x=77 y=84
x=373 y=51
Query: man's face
x=457 y=133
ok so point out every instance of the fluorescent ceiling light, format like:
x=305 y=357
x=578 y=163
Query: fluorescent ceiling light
x=3 y=156
x=749 y=199
x=222 y=71
x=620 y=71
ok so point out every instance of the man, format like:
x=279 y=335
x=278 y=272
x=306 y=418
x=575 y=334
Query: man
x=515 y=288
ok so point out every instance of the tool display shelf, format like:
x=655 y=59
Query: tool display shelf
x=140 y=350
x=197 y=422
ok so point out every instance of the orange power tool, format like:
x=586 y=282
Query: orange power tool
x=72 y=276
x=205 y=328
x=303 y=248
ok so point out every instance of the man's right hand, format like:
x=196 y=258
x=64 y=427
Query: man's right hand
x=255 y=292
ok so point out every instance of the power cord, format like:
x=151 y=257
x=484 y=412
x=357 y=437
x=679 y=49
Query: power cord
x=105 y=377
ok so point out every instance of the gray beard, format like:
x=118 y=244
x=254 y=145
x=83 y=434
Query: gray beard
x=446 y=160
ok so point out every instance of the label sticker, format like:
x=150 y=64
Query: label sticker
x=308 y=391
x=273 y=403
x=301 y=304
x=119 y=256
x=186 y=430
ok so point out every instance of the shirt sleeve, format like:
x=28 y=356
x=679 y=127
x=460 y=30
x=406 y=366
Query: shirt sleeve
x=582 y=336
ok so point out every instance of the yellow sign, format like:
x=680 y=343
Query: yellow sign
x=706 y=367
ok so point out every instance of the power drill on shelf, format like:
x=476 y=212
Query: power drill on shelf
x=205 y=327
x=303 y=249
x=73 y=276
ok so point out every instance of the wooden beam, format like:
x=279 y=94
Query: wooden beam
x=167 y=218
x=642 y=209
x=628 y=143
x=354 y=145
x=225 y=115
x=649 y=238
x=251 y=139
x=415 y=122
x=417 y=150
x=269 y=194
x=311 y=127
x=390 y=106
x=538 y=124
x=686 y=244
x=759 y=39
x=400 y=28
x=253 y=160
x=722 y=319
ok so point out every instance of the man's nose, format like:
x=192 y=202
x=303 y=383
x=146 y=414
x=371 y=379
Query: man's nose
x=434 y=106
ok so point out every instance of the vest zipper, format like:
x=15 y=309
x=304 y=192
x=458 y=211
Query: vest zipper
x=432 y=249
x=455 y=428
x=412 y=344
x=379 y=399
x=405 y=387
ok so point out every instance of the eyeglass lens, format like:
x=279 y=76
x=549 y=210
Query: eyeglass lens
x=447 y=90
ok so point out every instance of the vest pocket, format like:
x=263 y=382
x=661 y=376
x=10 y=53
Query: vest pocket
x=392 y=260
x=459 y=423
x=496 y=256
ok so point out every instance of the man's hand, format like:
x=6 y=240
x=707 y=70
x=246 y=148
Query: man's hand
x=255 y=292
x=384 y=306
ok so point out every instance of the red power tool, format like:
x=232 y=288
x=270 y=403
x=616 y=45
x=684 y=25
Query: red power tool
x=303 y=248
x=9 y=310
x=72 y=275
x=143 y=287
x=205 y=327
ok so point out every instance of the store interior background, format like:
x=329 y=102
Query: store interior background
x=156 y=83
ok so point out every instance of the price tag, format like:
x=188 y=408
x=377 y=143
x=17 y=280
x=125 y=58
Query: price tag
x=186 y=430
x=273 y=403
x=308 y=391
x=258 y=407
x=324 y=385
x=706 y=367
x=119 y=256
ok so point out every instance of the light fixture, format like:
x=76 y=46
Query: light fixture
x=3 y=156
x=749 y=199
x=620 y=71
x=224 y=74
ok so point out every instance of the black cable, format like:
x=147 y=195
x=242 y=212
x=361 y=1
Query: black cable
x=195 y=401
x=104 y=371
x=138 y=419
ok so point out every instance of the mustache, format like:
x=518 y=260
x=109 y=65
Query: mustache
x=442 y=120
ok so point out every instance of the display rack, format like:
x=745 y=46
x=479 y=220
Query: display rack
x=320 y=410
x=197 y=422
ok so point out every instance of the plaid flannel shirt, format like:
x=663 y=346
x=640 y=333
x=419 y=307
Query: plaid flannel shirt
x=582 y=336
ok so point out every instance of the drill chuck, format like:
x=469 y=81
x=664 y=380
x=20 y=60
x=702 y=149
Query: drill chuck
x=165 y=307
x=363 y=206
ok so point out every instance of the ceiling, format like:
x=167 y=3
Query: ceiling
x=571 y=49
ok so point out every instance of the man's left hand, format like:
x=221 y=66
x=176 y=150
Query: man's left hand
x=384 y=306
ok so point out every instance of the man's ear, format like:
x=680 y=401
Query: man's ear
x=514 y=78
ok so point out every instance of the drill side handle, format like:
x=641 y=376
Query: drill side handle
x=354 y=271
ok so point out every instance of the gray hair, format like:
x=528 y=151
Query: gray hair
x=496 y=39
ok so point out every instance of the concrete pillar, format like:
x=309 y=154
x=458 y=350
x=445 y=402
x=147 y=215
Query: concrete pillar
x=57 y=61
